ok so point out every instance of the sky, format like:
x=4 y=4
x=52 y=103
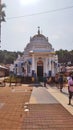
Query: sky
x=24 y=16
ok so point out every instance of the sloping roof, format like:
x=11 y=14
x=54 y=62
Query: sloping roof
x=3 y=67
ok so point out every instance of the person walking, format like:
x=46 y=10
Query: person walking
x=61 y=82
x=45 y=80
x=70 y=89
x=57 y=80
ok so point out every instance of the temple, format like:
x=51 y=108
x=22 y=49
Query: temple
x=38 y=58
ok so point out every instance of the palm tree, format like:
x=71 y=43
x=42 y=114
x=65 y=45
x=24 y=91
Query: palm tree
x=2 y=13
x=2 y=16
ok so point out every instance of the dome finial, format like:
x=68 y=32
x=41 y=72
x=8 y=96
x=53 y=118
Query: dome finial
x=38 y=30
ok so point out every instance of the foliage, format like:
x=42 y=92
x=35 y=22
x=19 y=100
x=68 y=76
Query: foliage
x=13 y=79
x=7 y=57
x=65 y=56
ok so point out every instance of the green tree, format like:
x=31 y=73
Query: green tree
x=7 y=57
x=65 y=56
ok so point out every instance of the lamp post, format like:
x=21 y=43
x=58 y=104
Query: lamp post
x=0 y=22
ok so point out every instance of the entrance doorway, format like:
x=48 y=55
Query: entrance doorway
x=40 y=68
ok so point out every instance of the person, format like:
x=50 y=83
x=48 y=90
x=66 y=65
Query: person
x=61 y=82
x=70 y=89
x=57 y=80
x=69 y=77
x=45 y=80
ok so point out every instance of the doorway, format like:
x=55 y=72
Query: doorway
x=40 y=68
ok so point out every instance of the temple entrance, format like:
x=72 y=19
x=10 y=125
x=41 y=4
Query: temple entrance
x=40 y=68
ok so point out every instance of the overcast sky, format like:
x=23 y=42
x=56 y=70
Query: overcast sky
x=56 y=25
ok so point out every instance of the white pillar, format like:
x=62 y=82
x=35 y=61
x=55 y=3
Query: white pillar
x=53 y=69
x=50 y=69
x=46 y=64
x=33 y=62
x=49 y=63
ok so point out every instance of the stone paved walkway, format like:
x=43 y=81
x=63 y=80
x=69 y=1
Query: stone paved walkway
x=12 y=111
x=63 y=97
x=40 y=95
x=47 y=117
x=44 y=112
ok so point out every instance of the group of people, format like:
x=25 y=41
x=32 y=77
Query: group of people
x=59 y=80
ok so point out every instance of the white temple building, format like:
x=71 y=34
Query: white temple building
x=38 y=58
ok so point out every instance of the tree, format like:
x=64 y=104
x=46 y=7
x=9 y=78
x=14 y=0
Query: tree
x=65 y=56
x=7 y=57
x=2 y=16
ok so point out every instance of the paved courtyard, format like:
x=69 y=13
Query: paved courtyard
x=12 y=103
x=34 y=108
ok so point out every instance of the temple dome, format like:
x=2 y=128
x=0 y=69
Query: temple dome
x=38 y=42
x=38 y=37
